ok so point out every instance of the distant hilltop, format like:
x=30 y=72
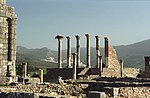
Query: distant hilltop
x=132 y=55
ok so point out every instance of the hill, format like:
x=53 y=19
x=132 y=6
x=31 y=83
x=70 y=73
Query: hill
x=132 y=55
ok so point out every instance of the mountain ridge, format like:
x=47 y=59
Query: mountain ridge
x=132 y=54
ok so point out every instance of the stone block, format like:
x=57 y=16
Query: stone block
x=115 y=92
x=96 y=94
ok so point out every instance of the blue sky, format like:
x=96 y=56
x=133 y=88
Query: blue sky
x=39 y=21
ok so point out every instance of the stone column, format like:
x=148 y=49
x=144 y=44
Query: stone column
x=11 y=55
x=68 y=52
x=74 y=66
x=41 y=75
x=88 y=50
x=101 y=66
x=97 y=51
x=59 y=37
x=24 y=70
x=106 y=51
x=121 y=68
x=78 y=50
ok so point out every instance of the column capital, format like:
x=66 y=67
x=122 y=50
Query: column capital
x=59 y=37
x=87 y=35
x=121 y=60
x=77 y=36
x=106 y=38
x=68 y=37
x=97 y=36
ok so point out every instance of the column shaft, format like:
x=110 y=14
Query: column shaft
x=59 y=37
x=78 y=50
x=41 y=75
x=68 y=52
x=121 y=68
x=24 y=70
x=88 y=50
x=74 y=66
x=101 y=66
x=97 y=50
x=106 y=52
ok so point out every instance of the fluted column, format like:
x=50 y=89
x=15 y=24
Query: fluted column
x=88 y=50
x=78 y=50
x=59 y=37
x=121 y=68
x=68 y=52
x=97 y=51
x=106 y=51
x=74 y=66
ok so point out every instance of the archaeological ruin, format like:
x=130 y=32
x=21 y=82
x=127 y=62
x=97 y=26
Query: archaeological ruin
x=109 y=78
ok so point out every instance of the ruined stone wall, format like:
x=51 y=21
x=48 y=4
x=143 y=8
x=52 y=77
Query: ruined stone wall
x=127 y=72
x=111 y=72
x=131 y=72
x=67 y=73
x=112 y=58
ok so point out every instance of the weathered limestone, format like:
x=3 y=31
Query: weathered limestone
x=121 y=68
x=111 y=60
x=78 y=50
x=97 y=51
x=59 y=37
x=41 y=75
x=68 y=52
x=7 y=40
x=74 y=66
x=88 y=50
x=147 y=66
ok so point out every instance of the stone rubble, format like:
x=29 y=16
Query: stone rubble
x=51 y=89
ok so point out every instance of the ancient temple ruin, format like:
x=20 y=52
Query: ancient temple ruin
x=7 y=42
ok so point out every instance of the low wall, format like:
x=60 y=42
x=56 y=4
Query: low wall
x=67 y=73
x=131 y=72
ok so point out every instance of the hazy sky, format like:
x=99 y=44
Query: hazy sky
x=39 y=21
